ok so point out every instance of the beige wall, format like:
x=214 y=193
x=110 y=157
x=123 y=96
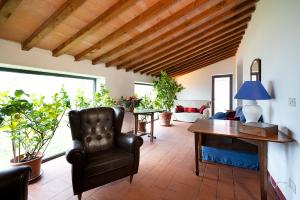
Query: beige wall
x=118 y=82
x=198 y=84
x=273 y=35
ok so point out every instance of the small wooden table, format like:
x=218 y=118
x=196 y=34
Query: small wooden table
x=150 y=113
x=230 y=129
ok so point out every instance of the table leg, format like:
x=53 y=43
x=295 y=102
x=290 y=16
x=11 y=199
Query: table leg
x=152 y=127
x=263 y=167
x=136 y=118
x=197 y=155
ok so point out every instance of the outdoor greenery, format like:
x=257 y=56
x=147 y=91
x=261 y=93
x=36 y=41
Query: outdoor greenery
x=31 y=121
x=81 y=102
x=166 y=89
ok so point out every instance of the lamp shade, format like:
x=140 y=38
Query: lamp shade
x=252 y=90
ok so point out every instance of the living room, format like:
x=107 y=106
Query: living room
x=265 y=31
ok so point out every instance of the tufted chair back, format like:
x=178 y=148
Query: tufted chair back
x=96 y=127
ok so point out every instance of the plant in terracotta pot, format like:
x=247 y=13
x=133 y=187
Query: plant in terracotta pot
x=166 y=89
x=145 y=104
x=31 y=123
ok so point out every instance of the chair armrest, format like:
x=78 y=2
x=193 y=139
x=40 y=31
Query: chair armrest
x=76 y=153
x=14 y=182
x=129 y=142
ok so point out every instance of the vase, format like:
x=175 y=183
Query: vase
x=35 y=165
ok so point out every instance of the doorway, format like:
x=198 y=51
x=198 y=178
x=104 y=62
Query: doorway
x=221 y=93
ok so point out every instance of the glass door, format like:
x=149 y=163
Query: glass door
x=221 y=93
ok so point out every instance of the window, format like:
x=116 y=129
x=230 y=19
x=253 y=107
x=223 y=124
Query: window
x=46 y=84
x=144 y=89
x=221 y=93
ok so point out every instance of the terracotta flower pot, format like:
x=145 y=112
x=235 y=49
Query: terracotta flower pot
x=142 y=126
x=35 y=165
x=165 y=118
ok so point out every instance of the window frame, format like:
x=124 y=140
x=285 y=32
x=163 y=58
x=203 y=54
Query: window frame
x=33 y=72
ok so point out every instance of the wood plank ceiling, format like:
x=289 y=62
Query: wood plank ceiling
x=143 y=36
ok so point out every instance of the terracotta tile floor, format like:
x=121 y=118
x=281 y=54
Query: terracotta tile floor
x=166 y=172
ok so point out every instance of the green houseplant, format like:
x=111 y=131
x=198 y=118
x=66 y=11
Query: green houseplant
x=102 y=98
x=145 y=104
x=166 y=89
x=31 y=123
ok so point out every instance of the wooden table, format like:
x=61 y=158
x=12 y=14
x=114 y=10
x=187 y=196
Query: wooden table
x=150 y=113
x=227 y=128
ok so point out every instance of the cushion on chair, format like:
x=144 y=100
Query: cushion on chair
x=107 y=160
x=97 y=129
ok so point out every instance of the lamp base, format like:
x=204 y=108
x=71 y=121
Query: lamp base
x=252 y=111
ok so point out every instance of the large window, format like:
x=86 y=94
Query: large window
x=144 y=89
x=45 y=84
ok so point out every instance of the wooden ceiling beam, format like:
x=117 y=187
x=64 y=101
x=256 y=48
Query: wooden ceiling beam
x=196 y=47
x=113 y=11
x=201 y=59
x=144 y=49
x=220 y=29
x=140 y=19
x=198 y=43
x=197 y=56
x=203 y=64
x=158 y=26
x=204 y=59
x=179 y=44
x=7 y=7
x=64 y=11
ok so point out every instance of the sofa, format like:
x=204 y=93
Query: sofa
x=194 y=105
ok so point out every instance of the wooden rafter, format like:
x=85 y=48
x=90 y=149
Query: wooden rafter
x=148 y=14
x=158 y=26
x=7 y=7
x=192 y=42
x=99 y=21
x=203 y=60
x=195 y=52
x=64 y=11
x=200 y=56
x=218 y=59
x=178 y=44
x=204 y=63
x=143 y=50
x=186 y=46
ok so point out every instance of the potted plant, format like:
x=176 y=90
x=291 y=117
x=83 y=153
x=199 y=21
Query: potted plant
x=166 y=89
x=129 y=103
x=145 y=103
x=31 y=123
x=81 y=102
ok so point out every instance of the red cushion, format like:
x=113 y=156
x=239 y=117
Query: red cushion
x=230 y=115
x=190 y=110
x=179 y=108
x=202 y=108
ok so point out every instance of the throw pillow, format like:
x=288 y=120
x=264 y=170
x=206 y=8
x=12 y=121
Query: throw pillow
x=190 y=110
x=202 y=108
x=179 y=108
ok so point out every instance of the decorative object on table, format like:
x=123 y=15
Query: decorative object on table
x=31 y=123
x=129 y=103
x=255 y=70
x=166 y=89
x=252 y=91
x=259 y=129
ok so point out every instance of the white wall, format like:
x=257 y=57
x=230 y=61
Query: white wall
x=198 y=84
x=118 y=82
x=274 y=36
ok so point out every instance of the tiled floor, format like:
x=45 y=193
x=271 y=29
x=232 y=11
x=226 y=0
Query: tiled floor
x=166 y=172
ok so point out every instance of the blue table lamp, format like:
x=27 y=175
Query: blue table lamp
x=252 y=91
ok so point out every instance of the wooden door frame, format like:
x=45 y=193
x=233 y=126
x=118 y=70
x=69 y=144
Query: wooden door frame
x=213 y=90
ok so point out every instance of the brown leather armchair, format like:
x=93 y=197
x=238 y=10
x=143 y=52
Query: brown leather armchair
x=14 y=183
x=101 y=153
